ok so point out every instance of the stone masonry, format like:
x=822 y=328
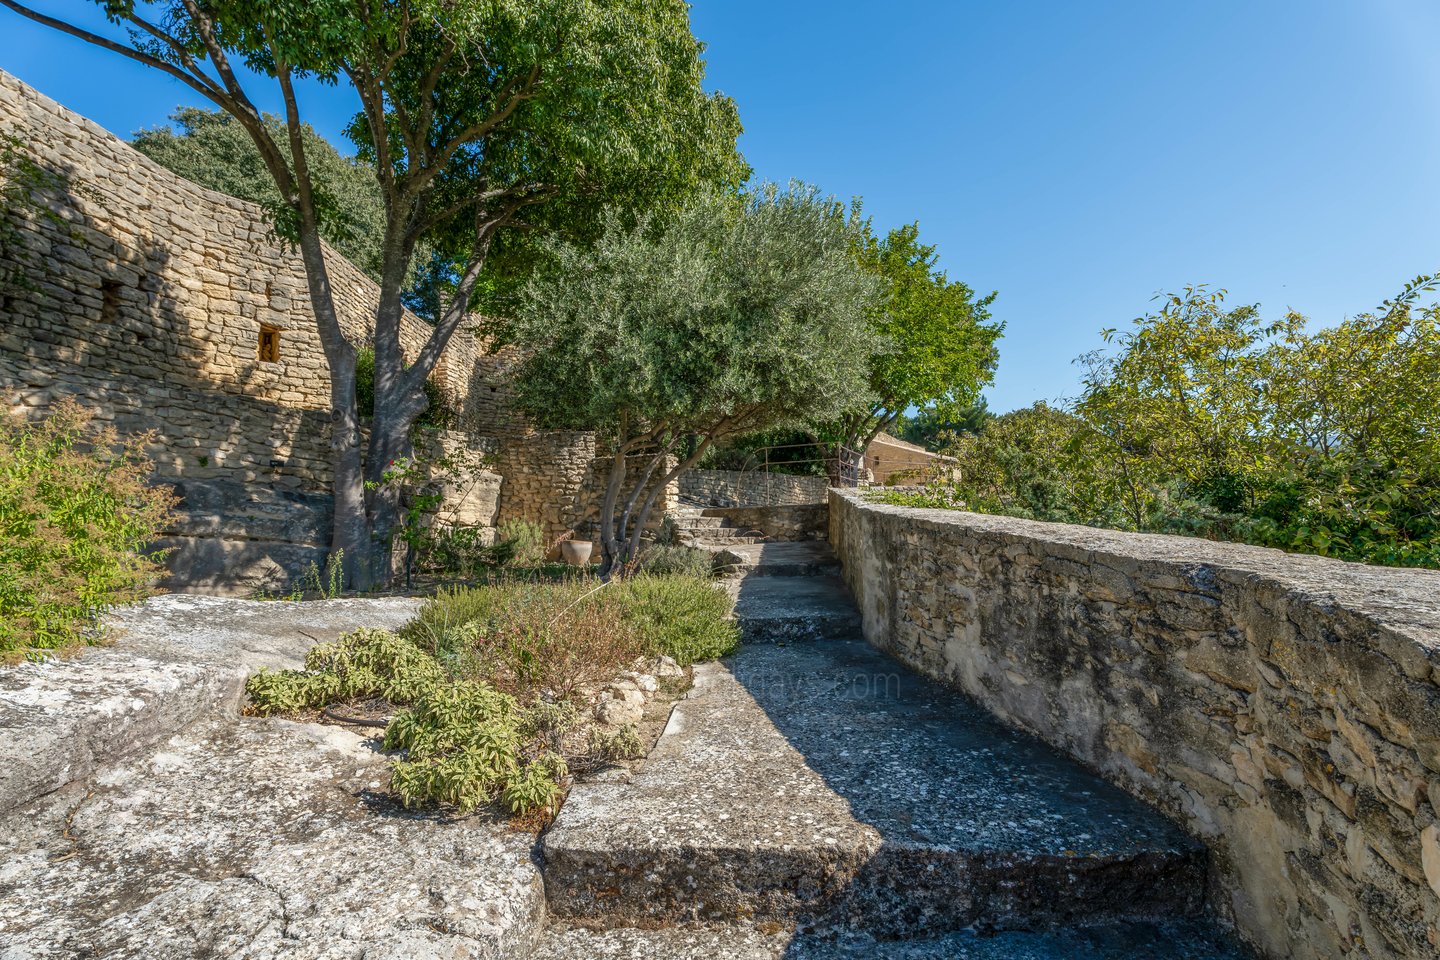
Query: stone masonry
x=154 y=301
x=1285 y=709
x=751 y=488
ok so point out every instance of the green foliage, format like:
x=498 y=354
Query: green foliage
x=76 y=514
x=669 y=559
x=937 y=338
x=1210 y=421
x=520 y=543
x=683 y=617
x=730 y=317
x=364 y=663
x=934 y=430
x=622 y=744
x=494 y=678
x=464 y=748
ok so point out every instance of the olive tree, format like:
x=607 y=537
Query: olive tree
x=733 y=316
x=477 y=116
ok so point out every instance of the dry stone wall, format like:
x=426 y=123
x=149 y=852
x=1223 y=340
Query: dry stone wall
x=1285 y=709
x=751 y=488
x=147 y=297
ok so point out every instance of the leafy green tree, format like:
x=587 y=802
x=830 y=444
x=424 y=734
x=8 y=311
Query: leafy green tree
x=937 y=338
x=1209 y=421
x=732 y=317
x=211 y=148
x=934 y=427
x=1184 y=396
x=477 y=117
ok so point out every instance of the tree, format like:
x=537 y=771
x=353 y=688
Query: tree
x=211 y=148
x=934 y=427
x=733 y=317
x=938 y=342
x=472 y=113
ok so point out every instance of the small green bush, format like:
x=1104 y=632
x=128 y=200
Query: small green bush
x=519 y=543
x=661 y=559
x=623 y=744
x=464 y=747
x=494 y=676
x=76 y=514
x=687 y=618
x=365 y=663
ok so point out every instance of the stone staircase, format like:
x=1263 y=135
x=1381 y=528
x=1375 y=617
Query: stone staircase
x=701 y=526
x=812 y=797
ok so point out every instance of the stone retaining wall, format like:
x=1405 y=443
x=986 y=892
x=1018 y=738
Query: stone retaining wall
x=751 y=488
x=145 y=297
x=1284 y=708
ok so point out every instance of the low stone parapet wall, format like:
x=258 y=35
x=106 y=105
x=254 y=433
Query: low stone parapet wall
x=751 y=488
x=1284 y=708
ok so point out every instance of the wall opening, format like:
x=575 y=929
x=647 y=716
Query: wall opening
x=109 y=301
x=269 y=344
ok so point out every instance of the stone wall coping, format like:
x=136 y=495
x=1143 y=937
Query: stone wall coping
x=1401 y=603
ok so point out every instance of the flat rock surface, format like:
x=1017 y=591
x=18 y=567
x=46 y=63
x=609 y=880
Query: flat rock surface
x=258 y=838
x=1180 y=940
x=822 y=779
x=174 y=659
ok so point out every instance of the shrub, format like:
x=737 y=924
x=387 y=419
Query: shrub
x=75 y=515
x=520 y=543
x=365 y=663
x=623 y=744
x=662 y=559
x=494 y=674
x=687 y=618
x=464 y=746
x=531 y=638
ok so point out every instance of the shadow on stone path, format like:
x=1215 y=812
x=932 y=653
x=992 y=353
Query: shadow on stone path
x=813 y=797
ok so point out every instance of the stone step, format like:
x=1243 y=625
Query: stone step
x=793 y=608
x=807 y=558
x=1138 y=940
x=825 y=784
x=176 y=659
x=726 y=534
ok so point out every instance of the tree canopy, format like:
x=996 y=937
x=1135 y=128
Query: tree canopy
x=477 y=117
x=1209 y=420
x=937 y=337
x=730 y=317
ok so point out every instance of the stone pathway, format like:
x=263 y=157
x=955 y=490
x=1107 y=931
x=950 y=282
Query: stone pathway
x=813 y=798
x=810 y=798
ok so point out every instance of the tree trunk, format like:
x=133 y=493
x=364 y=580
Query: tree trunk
x=397 y=407
x=609 y=543
x=350 y=535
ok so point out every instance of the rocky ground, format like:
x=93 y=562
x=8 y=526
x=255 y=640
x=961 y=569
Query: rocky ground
x=807 y=798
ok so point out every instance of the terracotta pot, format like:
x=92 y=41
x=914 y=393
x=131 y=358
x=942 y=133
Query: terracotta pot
x=576 y=552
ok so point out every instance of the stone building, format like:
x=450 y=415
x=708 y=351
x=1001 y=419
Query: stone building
x=891 y=460
x=171 y=308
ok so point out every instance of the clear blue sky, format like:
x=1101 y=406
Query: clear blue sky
x=1076 y=157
